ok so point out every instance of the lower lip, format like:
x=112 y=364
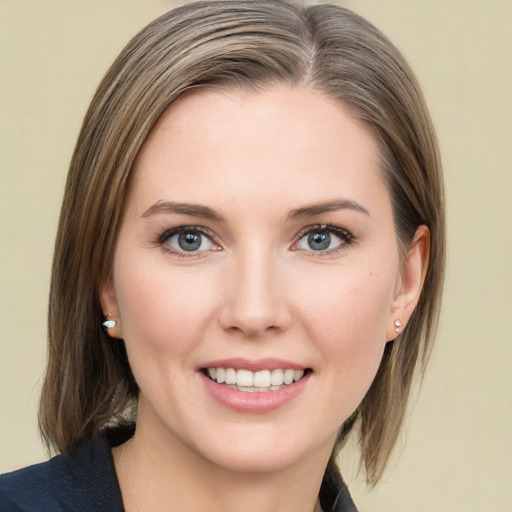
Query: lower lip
x=256 y=402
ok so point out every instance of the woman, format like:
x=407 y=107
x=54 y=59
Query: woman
x=250 y=255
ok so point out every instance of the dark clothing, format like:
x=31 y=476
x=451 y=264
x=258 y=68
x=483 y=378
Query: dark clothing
x=81 y=480
x=84 y=480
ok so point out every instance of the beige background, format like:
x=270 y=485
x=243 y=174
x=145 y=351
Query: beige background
x=457 y=449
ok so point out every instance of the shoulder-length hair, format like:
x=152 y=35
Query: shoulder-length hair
x=248 y=44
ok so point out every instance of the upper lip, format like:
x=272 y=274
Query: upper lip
x=254 y=365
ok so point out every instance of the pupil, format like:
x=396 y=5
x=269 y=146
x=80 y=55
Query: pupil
x=319 y=241
x=189 y=241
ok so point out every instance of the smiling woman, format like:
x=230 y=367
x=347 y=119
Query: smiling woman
x=261 y=236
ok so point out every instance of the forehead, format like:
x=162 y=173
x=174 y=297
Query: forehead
x=292 y=141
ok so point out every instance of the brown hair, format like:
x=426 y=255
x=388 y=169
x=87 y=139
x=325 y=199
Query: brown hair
x=248 y=44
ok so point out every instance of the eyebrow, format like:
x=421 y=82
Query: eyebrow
x=197 y=210
x=328 y=206
x=194 y=210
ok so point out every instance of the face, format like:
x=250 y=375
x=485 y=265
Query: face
x=256 y=276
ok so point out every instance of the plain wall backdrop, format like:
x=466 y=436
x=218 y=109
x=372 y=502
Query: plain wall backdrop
x=456 y=450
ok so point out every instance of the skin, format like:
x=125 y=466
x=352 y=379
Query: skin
x=257 y=290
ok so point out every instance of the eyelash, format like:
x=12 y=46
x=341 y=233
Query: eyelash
x=168 y=233
x=347 y=238
x=344 y=235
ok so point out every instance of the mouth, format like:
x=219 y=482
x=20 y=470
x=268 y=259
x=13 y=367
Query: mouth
x=255 y=382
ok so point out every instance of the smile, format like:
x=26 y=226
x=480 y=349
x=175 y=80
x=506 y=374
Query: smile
x=259 y=381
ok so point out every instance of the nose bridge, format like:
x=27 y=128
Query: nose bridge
x=255 y=301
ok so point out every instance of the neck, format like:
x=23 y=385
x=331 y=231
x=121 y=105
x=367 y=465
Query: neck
x=157 y=472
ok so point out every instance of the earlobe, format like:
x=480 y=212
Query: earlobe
x=410 y=285
x=111 y=321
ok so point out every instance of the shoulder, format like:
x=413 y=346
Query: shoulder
x=81 y=480
x=28 y=488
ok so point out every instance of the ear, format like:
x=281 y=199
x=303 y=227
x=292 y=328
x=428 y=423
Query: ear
x=409 y=283
x=110 y=310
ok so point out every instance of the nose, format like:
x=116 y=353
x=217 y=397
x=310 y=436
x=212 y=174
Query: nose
x=254 y=297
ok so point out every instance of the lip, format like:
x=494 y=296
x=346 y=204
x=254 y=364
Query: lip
x=256 y=365
x=257 y=402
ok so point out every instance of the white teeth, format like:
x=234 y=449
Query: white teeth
x=288 y=376
x=251 y=389
x=221 y=375
x=297 y=375
x=244 y=378
x=277 y=378
x=263 y=380
x=230 y=376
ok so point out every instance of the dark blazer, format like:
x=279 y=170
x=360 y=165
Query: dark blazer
x=84 y=480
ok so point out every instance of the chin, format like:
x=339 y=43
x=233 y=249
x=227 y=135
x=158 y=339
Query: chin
x=254 y=459
x=262 y=454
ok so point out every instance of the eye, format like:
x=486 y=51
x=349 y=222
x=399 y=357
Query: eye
x=186 y=240
x=323 y=239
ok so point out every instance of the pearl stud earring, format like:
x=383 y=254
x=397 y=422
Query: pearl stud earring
x=109 y=324
x=398 y=324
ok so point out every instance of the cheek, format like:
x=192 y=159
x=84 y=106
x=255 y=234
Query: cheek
x=347 y=302
x=347 y=313
x=161 y=310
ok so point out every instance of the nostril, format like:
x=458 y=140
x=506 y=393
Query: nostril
x=254 y=304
